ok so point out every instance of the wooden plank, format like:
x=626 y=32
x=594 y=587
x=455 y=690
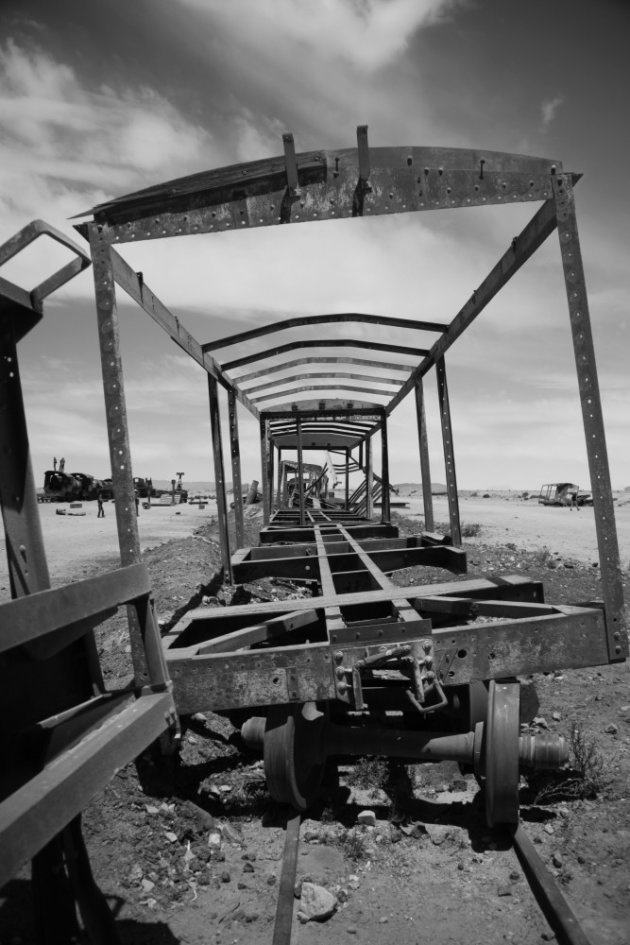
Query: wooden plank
x=57 y=610
x=33 y=815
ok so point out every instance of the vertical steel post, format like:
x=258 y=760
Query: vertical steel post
x=347 y=479
x=425 y=467
x=235 y=451
x=385 y=507
x=270 y=472
x=369 y=479
x=610 y=566
x=300 y=471
x=219 y=477
x=117 y=428
x=264 y=470
x=279 y=479
x=449 y=454
x=26 y=558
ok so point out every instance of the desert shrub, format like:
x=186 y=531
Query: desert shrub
x=582 y=779
x=471 y=531
x=369 y=774
x=354 y=845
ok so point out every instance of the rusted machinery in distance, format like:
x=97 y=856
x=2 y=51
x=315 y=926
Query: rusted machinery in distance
x=363 y=665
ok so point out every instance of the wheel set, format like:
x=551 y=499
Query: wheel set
x=295 y=741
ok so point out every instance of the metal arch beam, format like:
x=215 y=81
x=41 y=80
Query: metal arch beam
x=542 y=224
x=316 y=377
x=324 y=406
x=323 y=359
x=289 y=394
x=299 y=321
x=323 y=343
x=330 y=186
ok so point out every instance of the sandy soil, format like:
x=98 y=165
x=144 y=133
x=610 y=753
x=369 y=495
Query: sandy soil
x=149 y=835
x=566 y=532
x=75 y=541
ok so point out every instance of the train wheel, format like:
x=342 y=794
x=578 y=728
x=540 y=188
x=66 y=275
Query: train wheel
x=500 y=755
x=294 y=754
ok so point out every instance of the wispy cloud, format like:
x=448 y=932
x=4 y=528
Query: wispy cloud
x=368 y=34
x=548 y=111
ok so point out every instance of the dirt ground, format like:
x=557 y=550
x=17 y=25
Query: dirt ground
x=193 y=855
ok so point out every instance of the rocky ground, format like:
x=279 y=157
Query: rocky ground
x=192 y=854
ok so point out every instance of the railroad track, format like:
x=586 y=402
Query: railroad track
x=546 y=890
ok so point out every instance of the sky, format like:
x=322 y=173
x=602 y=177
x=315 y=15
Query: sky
x=98 y=100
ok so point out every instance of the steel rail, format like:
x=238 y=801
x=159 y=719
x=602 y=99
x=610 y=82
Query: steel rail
x=553 y=904
x=286 y=892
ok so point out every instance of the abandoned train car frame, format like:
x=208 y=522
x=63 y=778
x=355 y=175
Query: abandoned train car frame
x=428 y=655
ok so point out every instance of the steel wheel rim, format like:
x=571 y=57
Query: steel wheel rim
x=501 y=754
x=293 y=759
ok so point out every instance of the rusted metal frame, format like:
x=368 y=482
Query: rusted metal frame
x=235 y=452
x=400 y=606
x=347 y=479
x=265 y=631
x=280 y=476
x=332 y=412
x=117 y=429
x=270 y=470
x=340 y=317
x=332 y=612
x=425 y=465
x=512 y=587
x=592 y=416
x=385 y=509
x=323 y=359
x=27 y=235
x=322 y=343
x=381 y=560
x=34 y=814
x=279 y=532
x=522 y=248
x=219 y=476
x=319 y=376
x=461 y=654
x=449 y=454
x=289 y=395
x=58 y=611
x=26 y=558
x=300 y=471
x=402 y=180
x=264 y=468
x=134 y=285
x=369 y=478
